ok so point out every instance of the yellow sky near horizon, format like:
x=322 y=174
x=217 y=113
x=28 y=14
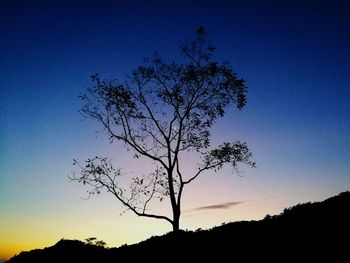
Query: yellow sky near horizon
x=99 y=217
x=23 y=234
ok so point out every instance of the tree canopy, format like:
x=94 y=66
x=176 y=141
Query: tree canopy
x=160 y=111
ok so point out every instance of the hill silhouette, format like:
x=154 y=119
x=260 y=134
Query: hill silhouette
x=318 y=230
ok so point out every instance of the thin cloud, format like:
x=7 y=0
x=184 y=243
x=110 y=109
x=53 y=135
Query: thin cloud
x=223 y=206
x=217 y=206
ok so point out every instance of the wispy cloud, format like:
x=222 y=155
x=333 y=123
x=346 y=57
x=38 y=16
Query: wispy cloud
x=217 y=206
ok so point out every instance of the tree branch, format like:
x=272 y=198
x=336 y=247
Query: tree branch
x=98 y=176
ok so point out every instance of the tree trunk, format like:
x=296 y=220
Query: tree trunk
x=175 y=207
x=176 y=220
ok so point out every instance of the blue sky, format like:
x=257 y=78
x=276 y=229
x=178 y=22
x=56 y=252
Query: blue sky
x=294 y=56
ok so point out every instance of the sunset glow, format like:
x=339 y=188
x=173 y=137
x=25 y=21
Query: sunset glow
x=294 y=56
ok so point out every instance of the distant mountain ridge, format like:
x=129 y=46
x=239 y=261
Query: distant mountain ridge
x=309 y=230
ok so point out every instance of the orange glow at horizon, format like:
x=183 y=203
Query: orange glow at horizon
x=24 y=234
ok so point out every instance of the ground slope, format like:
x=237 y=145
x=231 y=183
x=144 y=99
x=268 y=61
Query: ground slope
x=318 y=230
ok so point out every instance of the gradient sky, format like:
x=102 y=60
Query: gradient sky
x=294 y=55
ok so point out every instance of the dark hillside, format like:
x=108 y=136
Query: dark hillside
x=308 y=231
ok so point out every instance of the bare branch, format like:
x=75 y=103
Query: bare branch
x=99 y=174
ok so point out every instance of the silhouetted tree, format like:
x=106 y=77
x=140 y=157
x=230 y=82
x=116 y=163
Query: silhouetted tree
x=93 y=241
x=90 y=240
x=159 y=112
